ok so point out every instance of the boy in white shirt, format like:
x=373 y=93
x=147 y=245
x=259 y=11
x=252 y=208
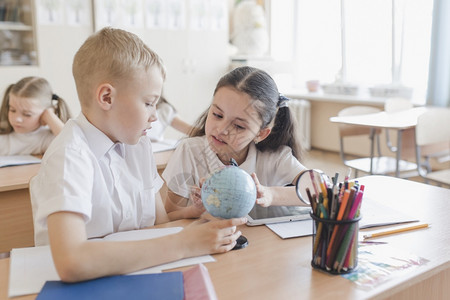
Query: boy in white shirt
x=99 y=174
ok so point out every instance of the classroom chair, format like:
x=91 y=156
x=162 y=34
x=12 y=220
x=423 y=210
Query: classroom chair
x=393 y=105
x=433 y=142
x=372 y=164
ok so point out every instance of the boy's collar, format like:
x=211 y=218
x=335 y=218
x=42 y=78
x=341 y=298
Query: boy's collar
x=98 y=142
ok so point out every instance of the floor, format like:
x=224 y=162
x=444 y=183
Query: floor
x=330 y=163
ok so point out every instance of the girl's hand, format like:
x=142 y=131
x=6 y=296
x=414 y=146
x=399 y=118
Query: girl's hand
x=264 y=196
x=46 y=116
x=209 y=237
x=195 y=196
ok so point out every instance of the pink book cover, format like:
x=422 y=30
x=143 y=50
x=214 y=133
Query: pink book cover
x=198 y=284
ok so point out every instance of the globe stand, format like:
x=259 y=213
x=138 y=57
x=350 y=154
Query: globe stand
x=241 y=243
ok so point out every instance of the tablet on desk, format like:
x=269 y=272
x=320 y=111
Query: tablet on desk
x=276 y=214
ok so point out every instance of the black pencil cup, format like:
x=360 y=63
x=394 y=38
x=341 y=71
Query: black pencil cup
x=335 y=245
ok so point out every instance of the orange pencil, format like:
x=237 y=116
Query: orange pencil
x=395 y=230
x=343 y=205
x=350 y=200
x=339 y=218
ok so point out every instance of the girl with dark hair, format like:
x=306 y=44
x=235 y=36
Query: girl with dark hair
x=248 y=121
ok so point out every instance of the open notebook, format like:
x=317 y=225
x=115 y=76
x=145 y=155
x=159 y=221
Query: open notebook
x=373 y=213
x=17 y=160
x=31 y=267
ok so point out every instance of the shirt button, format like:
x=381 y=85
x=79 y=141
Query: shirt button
x=128 y=216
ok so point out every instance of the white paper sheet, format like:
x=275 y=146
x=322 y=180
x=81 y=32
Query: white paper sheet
x=373 y=214
x=31 y=267
x=17 y=160
x=376 y=214
x=287 y=230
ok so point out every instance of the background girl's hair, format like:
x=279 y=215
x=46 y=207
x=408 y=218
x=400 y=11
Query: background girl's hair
x=163 y=100
x=61 y=108
x=5 y=126
x=266 y=101
x=32 y=87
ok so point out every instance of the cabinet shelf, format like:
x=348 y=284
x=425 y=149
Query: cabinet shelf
x=16 y=26
x=17 y=33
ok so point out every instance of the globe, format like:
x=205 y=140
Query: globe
x=229 y=193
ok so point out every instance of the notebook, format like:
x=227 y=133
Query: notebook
x=161 y=286
x=17 y=160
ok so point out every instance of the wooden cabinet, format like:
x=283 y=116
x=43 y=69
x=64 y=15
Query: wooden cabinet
x=17 y=33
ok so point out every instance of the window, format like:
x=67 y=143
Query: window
x=364 y=42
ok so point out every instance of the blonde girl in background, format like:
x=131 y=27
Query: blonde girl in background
x=31 y=115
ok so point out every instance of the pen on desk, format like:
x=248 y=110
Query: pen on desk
x=373 y=243
x=396 y=230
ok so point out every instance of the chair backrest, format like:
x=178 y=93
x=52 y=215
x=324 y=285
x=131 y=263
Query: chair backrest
x=433 y=127
x=397 y=104
x=352 y=130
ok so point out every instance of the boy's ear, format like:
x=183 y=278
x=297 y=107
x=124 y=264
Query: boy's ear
x=263 y=133
x=105 y=96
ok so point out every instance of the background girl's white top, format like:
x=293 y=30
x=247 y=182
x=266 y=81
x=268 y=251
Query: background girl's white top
x=194 y=159
x=166 y=114
x=35 y=142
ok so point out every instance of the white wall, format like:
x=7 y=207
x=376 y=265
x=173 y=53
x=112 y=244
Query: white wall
x=195 y=60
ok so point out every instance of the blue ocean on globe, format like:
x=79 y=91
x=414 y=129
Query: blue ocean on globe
x=229 y=193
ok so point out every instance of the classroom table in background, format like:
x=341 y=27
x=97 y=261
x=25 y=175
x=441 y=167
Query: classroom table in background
x=272 y=268
x=399 y=121
x=16 y=219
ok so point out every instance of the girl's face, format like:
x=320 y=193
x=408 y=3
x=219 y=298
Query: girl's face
x=232 y=124
x=24 y=113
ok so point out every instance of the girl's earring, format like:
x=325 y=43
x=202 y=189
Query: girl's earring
x=256 y=141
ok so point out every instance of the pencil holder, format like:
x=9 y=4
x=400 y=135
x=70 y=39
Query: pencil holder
x=335 y=244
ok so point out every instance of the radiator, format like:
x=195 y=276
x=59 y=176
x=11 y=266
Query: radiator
x=302 y=112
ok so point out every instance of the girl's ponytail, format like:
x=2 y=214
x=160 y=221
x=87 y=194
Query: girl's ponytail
x=284 y=130
x=61 y=108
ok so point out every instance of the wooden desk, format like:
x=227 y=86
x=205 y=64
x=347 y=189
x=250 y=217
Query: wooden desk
x=162 y=158
x=399 y=121
x=272 y=268
x=16 y=219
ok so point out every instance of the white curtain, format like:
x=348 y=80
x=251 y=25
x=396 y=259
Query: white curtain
x=439 y=77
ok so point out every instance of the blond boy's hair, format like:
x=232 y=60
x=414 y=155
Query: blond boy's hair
x=110 y=55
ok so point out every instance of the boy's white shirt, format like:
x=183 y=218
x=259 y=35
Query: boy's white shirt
x=112 y=185
x=193 y=159
x=35 y=142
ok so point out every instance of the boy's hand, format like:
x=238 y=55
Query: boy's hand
x=209 y=237
x=264 y=196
